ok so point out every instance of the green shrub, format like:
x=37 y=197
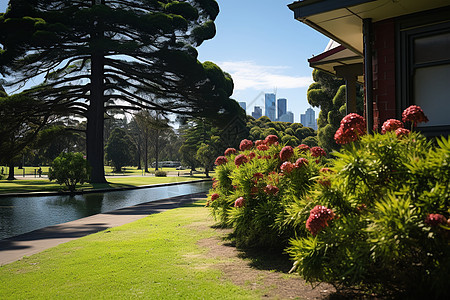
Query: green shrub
x=160 y=173
x=69 y=169
x=374 y=220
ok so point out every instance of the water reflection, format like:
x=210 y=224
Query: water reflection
x=23 y=214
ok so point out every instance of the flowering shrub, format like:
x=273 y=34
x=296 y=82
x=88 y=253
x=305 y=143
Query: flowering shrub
x=230 y=151
x=286 y=153
x=375 y=218
x=351 y=128
x=240 y=159
x=245 y=145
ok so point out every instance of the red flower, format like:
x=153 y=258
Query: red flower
x=262 y=147
x=435 y=219
x=324 y=182
x=303 y=147
x=286 y=153
x=254 y=190
x=287 y=167
x=240 y=159
x=326 y=170
x=317 y=152
x=215 y=184
x=391 y=125
x=258 y=175
x=259 y=142
x=214 y=196
x=401 y=132
x=252 y=155
x=230 y=151
x=318 y=219
x=352 y=126
x=301 y=162
x=245 y=145
x=271 y=139
x=239 y=202
x=414 y=114
x=271 y=189
x=221 y=160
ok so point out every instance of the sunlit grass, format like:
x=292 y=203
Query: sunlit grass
x=155 y=258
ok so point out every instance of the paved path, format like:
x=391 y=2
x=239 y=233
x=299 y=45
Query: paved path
x=26 y=244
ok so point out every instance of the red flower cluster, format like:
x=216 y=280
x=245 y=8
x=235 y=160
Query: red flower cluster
x=221 y=160
x=271 y=189
x=240 y=159
x=318 y=219
x=391 y=125
x=252 y=155
x=270 y=140
x=262 y=147
x=435 y=219
x=239 y=202
x=326 y=170
x=286 y=153
x=259 y=142
x=324 y=182
x=401 y=132
x=301 y=162
x=303 y=147
x=245 y=145
x=230 y=151
x=352 y=127
x=317 y=152
x=258 y=175
x=414 y=114
x=287 y=167
x=214 y=196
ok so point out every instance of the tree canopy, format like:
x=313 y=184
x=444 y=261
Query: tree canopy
x=94 y=56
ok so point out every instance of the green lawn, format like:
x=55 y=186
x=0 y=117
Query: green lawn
x=155 y=258
x=35 y=185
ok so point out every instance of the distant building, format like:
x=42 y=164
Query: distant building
x=243 y=105
x=257 y=112
x=281 y=107
x=270 y=106
x=308 y=119
x=287 y=117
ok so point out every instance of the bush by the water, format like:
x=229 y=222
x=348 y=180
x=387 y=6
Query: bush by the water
x=160 y=173
x=69 y=169
x=373 y=219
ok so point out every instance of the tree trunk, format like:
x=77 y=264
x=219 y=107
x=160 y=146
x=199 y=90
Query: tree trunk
x=95 y=121
x=146 y=152
x=11 y=172
x=157 y=150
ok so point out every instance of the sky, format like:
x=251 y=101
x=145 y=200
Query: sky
x=264 y=49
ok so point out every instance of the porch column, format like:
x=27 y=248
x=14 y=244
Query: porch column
x=350 y=74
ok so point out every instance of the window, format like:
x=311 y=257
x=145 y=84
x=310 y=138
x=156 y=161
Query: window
x=423 y=69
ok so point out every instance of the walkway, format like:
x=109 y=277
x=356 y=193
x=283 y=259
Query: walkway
x=26 y=244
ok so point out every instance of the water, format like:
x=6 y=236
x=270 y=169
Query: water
x=23 y=214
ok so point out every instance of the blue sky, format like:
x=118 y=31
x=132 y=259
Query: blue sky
x=264 y=49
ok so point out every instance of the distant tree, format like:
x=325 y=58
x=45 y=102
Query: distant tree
x=69 y=169
x=22 y=117
x=97 y=56
x=118 y=149
x=206 y=154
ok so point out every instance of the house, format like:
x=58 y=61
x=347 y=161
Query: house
x=399 y=49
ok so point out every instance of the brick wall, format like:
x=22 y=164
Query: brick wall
x=384 y=71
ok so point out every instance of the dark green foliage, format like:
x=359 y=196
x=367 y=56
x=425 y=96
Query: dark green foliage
x=69 y=169
x=328 y=93
x=118 y=149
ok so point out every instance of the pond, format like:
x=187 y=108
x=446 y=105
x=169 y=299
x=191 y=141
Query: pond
x=23 y=214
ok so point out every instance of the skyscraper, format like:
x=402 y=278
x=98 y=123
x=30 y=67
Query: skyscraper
x=281 y=107
x=287 y=117
x=308 y=119
x=243 y=105
x=270 y=106
x=257 y=112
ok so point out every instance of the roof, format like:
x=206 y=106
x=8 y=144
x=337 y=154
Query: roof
x=341 y=20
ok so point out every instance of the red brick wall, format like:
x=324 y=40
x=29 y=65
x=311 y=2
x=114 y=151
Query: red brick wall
x=384 y=71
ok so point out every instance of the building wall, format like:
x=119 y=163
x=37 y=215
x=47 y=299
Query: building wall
x=281 y=107
x=270 y=106
x=384 y=92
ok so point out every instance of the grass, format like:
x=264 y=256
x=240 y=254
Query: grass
x=156 y=257
x=35 y=185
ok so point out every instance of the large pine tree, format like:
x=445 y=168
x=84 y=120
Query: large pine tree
x=96 y=55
